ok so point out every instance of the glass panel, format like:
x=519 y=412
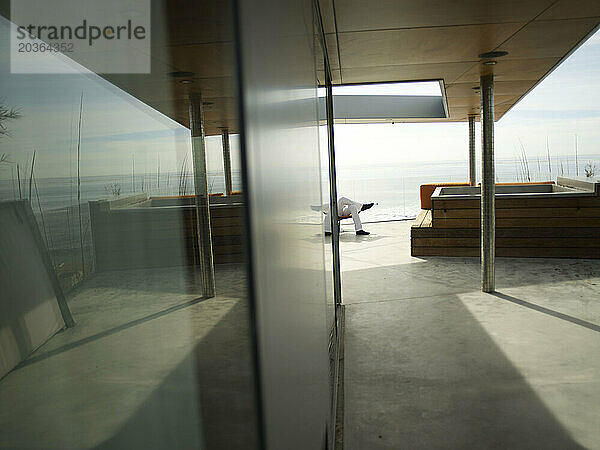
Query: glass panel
x=99 y=225
x=284 y=174
x=236 y=163
x=429 y=88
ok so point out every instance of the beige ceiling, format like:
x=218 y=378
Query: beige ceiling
x=369 y=41
x=193 y=37
x=406 y=40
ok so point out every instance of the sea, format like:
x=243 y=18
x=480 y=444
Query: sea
x=394 y=188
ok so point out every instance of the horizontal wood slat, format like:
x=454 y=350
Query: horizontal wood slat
x=508 y=232
x=509 y=242
x=540 y=202
x=567 y=227
x=226 y=211
x=524 y=222
x=527 y=252
x=112 y=230
x=163 y=236
x=229 y=258
x=444 y=251
x=517 y=213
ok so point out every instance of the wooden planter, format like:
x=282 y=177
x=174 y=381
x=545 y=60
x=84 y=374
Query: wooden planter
x=142 y=232
x=553 y=221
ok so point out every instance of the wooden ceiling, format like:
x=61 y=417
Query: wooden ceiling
x=192 y=51
x=405 y=40
x=369 y=42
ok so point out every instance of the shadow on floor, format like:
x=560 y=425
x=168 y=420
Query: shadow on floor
x=423 y=373
x=48 y=354
x=207 y=401
x=443 y=275
x=550 y=312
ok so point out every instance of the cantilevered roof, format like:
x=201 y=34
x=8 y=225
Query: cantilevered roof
x=370 y=41
x=405 y=40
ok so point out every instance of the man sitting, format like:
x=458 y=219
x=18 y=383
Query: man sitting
x=347 y=208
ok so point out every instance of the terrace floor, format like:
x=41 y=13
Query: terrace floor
x=432 y=362
x=145 y=349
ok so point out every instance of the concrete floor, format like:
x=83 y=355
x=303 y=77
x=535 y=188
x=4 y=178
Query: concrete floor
x=146 y=357
x=431 y=362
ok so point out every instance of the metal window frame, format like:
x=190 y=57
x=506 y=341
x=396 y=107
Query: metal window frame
x=335 y=231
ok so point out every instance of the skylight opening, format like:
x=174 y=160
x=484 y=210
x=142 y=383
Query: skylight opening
x=427 y=88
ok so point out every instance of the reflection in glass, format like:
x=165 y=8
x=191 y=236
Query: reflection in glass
x=99 y=223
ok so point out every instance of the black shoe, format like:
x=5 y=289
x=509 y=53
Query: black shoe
x=366 y=206
x=363 y=232
x=328 y=233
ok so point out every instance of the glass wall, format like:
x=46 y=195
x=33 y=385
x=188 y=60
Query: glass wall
x=112 y=333
x=282 y=149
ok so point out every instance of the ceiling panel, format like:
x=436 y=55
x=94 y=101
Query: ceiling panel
x=408 y=72
x=546 y=39
x=403 y=40
x=379 y=41
x=336 y=77
x=154 y=87
x=332 y=50
x=474 y=100
x=193 y=37
x=512 y=70
x=327 y=15
x=199 y=21
x=205 y=60
x=572 y=9
x=360 y=15
x=460 y=113
x=421 y=45
x=500 y=110
x=500 y=88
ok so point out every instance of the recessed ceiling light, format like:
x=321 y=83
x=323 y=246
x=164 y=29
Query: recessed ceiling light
x=491 y=55
x=186 y=81
x=489 y=63
x=179 y=74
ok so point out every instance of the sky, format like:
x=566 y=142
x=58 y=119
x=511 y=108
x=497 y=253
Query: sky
x=564 y=105
x=119 y=132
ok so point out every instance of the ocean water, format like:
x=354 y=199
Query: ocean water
x=394 y=188
x=56 y=193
